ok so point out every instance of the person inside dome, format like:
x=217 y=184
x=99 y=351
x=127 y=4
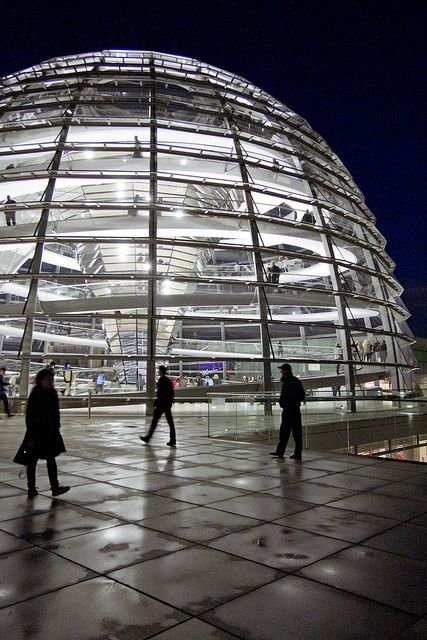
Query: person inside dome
x=10 y=211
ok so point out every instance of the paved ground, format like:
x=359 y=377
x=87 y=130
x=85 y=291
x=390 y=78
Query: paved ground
x=213 y=540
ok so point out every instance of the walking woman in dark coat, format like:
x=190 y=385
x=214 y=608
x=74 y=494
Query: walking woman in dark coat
x=42 y=438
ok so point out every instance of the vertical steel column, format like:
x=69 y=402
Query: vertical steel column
x=341 y=308
x=303 y=337
x=152 y=249
x=259 y=270
x=381 y=292
x=224 y=363
x=30 y=307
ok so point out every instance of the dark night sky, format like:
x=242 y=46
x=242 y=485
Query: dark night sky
x=353 y=69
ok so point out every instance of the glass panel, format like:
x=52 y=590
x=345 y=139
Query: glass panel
x=186 y=113
x=34 y=114
x=15 y=258
x=23 y=214
x=106 y=135
x=107 y=162
x=278 y=159
x=25 y=193
x=99 y=258
x=209 y=170
x=218 y=338
x=12 y=291
x=186 y=93
x=123 y=104
x=301 y=265
x=276 y=180
x=11 y=165
x=199 y=195
x=60 y=96
x=28 y=139
x=190 y=141
x=324 y=194
x=121 y=192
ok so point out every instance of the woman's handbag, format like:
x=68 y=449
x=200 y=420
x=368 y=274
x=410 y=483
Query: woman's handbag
x=24 y=455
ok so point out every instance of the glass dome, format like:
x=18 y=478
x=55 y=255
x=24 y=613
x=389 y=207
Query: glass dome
x=158 y=209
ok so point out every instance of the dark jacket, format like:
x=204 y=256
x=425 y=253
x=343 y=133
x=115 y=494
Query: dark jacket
x=3 y=384
x=165 y=392
x=42 y=438
x=292 y=394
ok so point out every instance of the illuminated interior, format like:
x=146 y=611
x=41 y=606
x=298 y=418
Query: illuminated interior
x=152 y=196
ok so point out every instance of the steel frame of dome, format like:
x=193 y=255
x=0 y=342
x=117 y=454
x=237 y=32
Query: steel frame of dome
x=153 y=193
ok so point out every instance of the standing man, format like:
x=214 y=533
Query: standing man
x=68 y=378
x=338 y=355
x=10 y=211
x=275 y=273
x=170 y=344
x=12 y=385
x=137 y=148
x=3 y=395
x=163 y=405
x=100 y=382
x=290 y=400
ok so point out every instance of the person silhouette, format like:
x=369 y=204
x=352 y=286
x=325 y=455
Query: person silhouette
x=137 y=148
x=43 y=437
x=163 y=405
x=10 y=211
x=291 y=396
x=3 y=394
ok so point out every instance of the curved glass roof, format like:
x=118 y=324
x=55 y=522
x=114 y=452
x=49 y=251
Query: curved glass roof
x=159 y=209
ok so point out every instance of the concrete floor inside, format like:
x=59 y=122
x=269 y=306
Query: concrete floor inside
x=211 y=540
